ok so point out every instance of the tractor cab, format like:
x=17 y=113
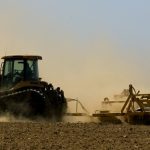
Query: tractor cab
x=18 y=68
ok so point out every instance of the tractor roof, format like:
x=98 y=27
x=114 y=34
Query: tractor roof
x=31 y=57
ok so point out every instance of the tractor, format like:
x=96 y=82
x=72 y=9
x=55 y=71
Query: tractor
x=24 y=94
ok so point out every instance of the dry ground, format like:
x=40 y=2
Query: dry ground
x=73 y=136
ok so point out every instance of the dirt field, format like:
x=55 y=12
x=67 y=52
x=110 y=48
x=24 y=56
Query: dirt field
x=73 y=136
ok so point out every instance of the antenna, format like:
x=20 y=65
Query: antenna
x=5 y=51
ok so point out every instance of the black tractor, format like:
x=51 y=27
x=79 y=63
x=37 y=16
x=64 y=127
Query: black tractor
x=24 y=94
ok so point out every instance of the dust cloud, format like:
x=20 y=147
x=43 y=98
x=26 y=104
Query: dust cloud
x=87 y=72
x=7 y=117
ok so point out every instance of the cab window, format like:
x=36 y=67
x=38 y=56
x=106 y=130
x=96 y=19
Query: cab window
x=31 y=70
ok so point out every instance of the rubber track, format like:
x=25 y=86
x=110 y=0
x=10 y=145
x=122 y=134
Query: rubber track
x=23 y=91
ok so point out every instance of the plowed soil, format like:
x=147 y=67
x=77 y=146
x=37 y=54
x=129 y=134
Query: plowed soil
x=73 y=136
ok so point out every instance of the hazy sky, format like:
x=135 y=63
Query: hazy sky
x=90 y=48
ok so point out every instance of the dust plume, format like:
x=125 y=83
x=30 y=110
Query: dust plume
x=88 y=72
x=7 y=117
